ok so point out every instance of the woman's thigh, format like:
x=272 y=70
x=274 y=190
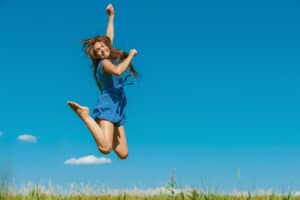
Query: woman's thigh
x=108 y=129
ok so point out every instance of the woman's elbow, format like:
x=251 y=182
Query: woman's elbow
x=117 y=72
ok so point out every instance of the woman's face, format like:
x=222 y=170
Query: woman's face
x=101 y=50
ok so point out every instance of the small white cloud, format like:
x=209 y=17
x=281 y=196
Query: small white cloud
x=87 y=160
x=27 y=138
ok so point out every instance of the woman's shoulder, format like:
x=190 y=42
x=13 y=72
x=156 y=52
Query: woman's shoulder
x=100 y=68
x=115 y=62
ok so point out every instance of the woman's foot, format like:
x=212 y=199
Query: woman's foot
x=81 y=111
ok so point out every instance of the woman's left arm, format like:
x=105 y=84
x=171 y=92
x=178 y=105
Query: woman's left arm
x=110 y=24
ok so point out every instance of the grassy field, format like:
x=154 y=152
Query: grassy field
x=37 y=194
x=170 y=191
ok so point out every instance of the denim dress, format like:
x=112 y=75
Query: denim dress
x=112 y=101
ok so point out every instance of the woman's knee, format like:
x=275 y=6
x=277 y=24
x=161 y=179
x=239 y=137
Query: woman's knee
x=105 y=149
x=123 y=155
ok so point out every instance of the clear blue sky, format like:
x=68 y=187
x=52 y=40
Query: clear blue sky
x=219 y=91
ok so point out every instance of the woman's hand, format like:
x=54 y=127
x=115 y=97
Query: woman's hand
x=110 y=10
x=133 y=52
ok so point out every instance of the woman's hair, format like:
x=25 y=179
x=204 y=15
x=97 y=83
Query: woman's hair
x=115 y=54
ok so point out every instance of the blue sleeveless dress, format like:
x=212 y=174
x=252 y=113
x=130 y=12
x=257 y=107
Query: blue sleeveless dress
x=112 y=101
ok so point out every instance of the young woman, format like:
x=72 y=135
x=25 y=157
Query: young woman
x=107 y=122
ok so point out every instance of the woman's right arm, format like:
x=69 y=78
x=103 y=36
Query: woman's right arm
x=117 y=70
x=110 y=25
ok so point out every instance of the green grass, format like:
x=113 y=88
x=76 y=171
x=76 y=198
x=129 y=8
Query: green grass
x=36 y=194
x=170 y=191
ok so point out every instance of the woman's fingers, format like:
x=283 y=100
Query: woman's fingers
x=110 y=9
x=133 y=52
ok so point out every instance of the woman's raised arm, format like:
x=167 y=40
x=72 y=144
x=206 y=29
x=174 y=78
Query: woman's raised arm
x=110 y=25
x=117 y=70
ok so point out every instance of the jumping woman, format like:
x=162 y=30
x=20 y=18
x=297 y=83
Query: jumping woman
x=108 y=118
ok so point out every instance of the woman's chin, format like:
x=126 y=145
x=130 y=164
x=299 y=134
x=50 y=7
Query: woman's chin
x=103 y=57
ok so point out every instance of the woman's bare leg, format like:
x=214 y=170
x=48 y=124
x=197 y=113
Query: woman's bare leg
x=120 y=143
x=108 y=129
x=102 y=132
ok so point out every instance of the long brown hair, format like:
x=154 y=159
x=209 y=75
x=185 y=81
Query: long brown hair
x=115 y=54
